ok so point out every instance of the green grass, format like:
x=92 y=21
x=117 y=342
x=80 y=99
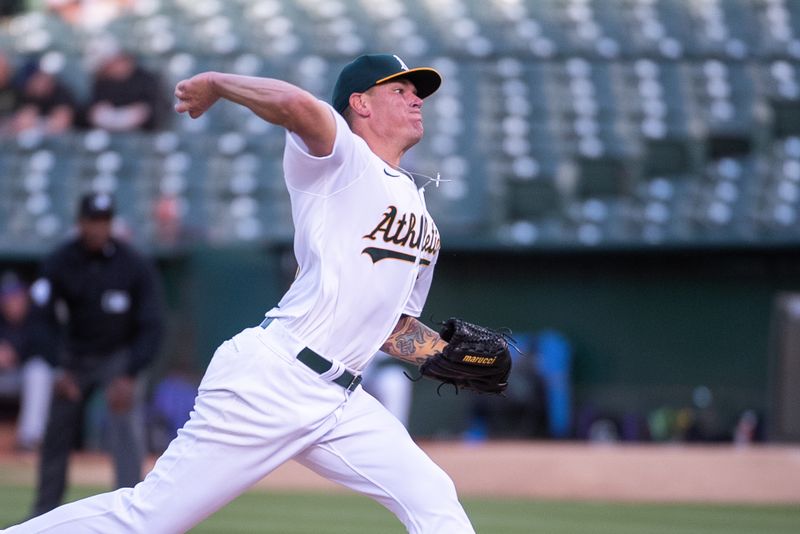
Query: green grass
x=295 y=513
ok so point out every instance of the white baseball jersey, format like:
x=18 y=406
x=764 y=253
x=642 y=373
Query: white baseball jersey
x=365 y=244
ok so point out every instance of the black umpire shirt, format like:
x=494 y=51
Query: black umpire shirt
x=106 y=301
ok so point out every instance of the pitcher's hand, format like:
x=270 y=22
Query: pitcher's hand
x=195 y=95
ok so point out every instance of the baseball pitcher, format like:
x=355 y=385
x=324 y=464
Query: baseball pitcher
x=288 y=388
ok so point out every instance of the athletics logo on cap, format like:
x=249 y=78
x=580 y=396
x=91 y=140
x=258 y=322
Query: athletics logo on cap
x=402 y=63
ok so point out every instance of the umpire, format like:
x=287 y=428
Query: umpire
x=103 y=303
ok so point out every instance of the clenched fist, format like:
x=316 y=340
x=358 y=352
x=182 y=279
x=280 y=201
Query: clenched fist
x=196 y=95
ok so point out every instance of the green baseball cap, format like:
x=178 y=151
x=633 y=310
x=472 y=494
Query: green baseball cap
x=372 y=69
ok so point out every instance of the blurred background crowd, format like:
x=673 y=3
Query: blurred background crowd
x=563 y=122
x=623 y=192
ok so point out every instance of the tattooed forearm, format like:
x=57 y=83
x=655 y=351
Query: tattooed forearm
x=412 y=341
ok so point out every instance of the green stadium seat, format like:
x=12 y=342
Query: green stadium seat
x=532 y=200
x=671 y=156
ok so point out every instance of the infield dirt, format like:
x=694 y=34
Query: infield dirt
x=758 y=474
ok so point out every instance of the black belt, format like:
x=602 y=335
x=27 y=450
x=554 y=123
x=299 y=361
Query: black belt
x=320 y=365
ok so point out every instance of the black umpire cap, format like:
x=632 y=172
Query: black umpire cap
x=96 y=206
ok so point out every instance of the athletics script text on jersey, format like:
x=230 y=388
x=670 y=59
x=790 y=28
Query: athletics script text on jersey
x=407 y=230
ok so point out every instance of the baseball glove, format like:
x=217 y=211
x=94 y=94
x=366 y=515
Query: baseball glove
x=475 y=358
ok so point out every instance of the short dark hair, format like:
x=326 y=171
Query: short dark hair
x=347 y=114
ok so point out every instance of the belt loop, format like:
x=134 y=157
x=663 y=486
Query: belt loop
x=337 y=369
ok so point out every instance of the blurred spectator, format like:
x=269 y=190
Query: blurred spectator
x=167 y=216
x=385 y=380
x=45 y=104
x=8 y=94
x=11 y=7
x=89 y=14
x=24 y=372
x=748 y=428
x=125 y=96
x=171 y=403
x=106 y=300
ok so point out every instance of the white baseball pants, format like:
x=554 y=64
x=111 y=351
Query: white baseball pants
x=258 y=407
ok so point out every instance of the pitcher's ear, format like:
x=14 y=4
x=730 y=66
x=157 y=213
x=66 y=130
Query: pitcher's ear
x=359 y=105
